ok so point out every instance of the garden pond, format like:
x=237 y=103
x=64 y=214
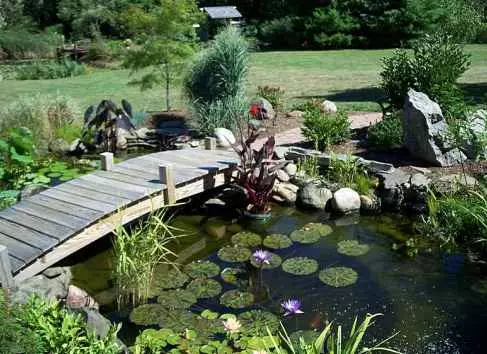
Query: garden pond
x=338 y=269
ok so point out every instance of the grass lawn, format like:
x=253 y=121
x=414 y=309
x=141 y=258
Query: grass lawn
x=349 y=77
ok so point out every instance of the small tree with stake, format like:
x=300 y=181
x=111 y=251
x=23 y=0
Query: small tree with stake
x=168 y=39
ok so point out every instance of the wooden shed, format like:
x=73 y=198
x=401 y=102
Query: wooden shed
x=218 y=16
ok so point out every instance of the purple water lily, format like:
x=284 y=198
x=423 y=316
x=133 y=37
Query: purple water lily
x=291 y=307
x=262 y=256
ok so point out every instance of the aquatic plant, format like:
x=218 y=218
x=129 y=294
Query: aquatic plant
x=204 y=288
x=234 y=254
x=311 y=233
x=234 y=276
x=291 y=307
x=147 y=314
x=153 y=341
x=261 y=257
x=164 y=279
x=254 y=322
x=246 y=239
x=137 y=252
x=352 y=248
x=177 y=299
x=199 y=269
x=272 y=261
x=236 y=299
x=277 y=241
x=338 y=276
x=308 y=336
x=300 y=266
x=232 y=325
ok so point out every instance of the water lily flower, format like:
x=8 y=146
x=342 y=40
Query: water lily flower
x=232 y=325
x=291 y=307
x=262 y=256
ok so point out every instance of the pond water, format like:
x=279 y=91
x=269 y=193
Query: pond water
x=432 y=300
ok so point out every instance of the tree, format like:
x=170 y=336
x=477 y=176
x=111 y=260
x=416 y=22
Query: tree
x=11 y=11
x=168 y=40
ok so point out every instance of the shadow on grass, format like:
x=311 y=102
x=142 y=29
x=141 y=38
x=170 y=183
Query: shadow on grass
x=364 y=94
x=475 y=91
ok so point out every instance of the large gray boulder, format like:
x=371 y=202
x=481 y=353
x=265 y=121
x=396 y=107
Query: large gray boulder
x=286 y=192
x=314 y=196
x=425 y=131
x=346 y=200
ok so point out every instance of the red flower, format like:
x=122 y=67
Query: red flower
x=254 y=110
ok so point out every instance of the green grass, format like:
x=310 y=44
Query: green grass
x=349 y=77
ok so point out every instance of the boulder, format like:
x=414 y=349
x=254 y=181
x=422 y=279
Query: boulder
x=59 y=146
x=295 y=114
x=52 y=285
x=31 y=189
x=77 y=147
x=367 y=204
x=425 y=131
x=291 y=169
x=329 y=107
x=286 y=192
x=215 y=227
x=314 y=196
x=282 y=176
x=78 y=298
x=450 y=183
x=265 y=108
x=224 y=137
x=345 y=200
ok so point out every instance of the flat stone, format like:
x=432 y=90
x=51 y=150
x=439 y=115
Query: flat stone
x=291 y=169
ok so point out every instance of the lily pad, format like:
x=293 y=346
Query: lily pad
x=147 y=314
x=204 y=288
x=234 y=254
x=200 y=269
x=255 y=322
x=352 y=248
x=182 y=320
x=338 y=276
x=300 y=266
x=277 y=241
x=237 y=299
x=246 y=239
x=177 y=299
x=309 y=336
x=274 y=262
x=311 y=233
x=234 y=276
x=167 y=279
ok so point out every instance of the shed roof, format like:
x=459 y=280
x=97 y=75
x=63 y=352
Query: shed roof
x=219 y=12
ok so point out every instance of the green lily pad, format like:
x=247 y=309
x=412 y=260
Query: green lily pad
x=237 y=299
x=177 y=299
x=201 y=269
x=164 y=279
x=255 y=322
x=300 y=266
x=352 y=248
x=147 y=314
x=234 y=254
x=204 y=288
x=274 y=262
x=234 y=276
x=246 y=239
x=183 y=320
x=311 y=233
x=277 y=241
x=338 y=276
x=309 y=336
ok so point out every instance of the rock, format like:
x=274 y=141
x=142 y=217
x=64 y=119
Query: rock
x=425 y=131
x=314 y=196
x=49 y=288
x=55 y=272
x=478 y=121
x=224 y=137
x=280 y=152
x=291 y=169
x=345 y=200
x=194 y=143
x=77 y=147
x=450 y=183
x=234 y=228
x=31 y=189
x=265 y=108
x=145 y=133
x=286 y=191
x=282 y=176
x=59 y=146
x=366 y=203
x=106 y=297
x=347 y=220
x=278 y=199
x=96 y=322
x=78 y=298
x=215 y=228
x=329 y=107
x=214 y=202
x=295 y=114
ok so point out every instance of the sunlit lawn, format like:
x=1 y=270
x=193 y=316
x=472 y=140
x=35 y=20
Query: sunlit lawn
x=349 y=77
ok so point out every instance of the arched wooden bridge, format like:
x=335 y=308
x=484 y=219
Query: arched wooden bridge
x=46 y=228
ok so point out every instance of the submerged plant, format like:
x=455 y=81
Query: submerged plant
x=234 y=254
x=246 y=239
x=338 y=277
x=199 y=269
x=300 y=266
x=311 y=233
x=352 y=248
x=277 y=241
x=204 y=288
x=236 y=299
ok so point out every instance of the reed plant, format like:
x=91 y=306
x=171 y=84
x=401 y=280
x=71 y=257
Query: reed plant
x=138 y=251
x=308 y=166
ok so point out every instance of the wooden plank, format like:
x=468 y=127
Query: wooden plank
x=52 y=215
x=60 y=232
x=16 y=264
x=106 y=189
x=94 y=195
x=210 y=143
x=5 y=269
x=19 y=250
x=128 y=180
x=26 y=235
x=201 y=185
x=166 y=175
x=123 y=186
x=87 y=203
x=138 y=173
x=65 y=207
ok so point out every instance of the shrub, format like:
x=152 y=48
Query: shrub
x=22 y=44
x=281 y=33
x=324 y=129
x=397 y=77
x=216 y=81
x=43 y=115
x=386 y=134
x=42 y=70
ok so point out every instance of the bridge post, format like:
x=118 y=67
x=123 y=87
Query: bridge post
x=166 y=176
x=5 y=269
x=106 y=161
x=210 y=143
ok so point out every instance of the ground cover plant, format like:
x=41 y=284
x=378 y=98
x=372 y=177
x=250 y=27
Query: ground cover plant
x=47 y=70
x=325 y=129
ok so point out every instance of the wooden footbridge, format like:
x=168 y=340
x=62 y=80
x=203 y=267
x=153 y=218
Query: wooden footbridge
x=47 y=227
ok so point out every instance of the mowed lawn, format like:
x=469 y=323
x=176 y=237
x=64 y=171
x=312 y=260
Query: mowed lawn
x=349 y=77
